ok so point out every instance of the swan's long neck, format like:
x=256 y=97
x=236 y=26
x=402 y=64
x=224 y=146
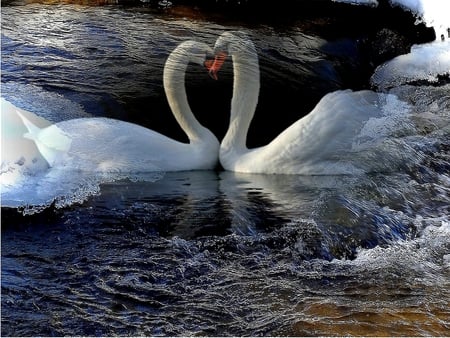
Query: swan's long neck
x=174 y=86
x=243 y=104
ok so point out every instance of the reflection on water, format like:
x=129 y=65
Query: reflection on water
x=218 y=253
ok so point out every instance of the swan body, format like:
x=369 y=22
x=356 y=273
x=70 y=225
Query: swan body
x=321 y=143
x=108 y=145
x=317 y=144
x=102 y=144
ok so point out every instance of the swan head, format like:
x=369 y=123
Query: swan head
x=235 y=43
x=189 y=52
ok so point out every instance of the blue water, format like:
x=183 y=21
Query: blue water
x=214 y=252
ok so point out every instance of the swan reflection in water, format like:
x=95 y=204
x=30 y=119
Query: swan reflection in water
x=325 y=216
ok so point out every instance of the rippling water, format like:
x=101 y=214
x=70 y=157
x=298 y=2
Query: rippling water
x=226 y=254
x=213 y=252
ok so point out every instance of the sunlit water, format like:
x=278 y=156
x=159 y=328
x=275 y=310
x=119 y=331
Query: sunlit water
x=213 y=252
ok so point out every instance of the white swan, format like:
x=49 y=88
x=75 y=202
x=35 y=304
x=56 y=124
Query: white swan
x=108 y=145
x=317 y=144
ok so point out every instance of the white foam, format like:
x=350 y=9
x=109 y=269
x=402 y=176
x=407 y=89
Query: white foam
x=423 y=256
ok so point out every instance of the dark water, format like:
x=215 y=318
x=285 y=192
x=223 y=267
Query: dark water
x=213 y=252
x=227 y=254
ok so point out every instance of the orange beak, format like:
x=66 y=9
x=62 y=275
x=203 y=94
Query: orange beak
x=214 y=66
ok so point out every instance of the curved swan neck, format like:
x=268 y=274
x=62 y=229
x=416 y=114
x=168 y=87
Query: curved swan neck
x=174 y=87
x=245 y=97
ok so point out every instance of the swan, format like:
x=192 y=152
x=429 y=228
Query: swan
x=320 y=143
x=109 y=145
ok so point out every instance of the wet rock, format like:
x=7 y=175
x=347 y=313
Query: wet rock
x=387 y=44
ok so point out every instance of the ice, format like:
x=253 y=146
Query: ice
x=359 y=2
x=425 y=62
x=18 y=154
x=28 y=182
x=60 y=187
x=394 y=119
x=434 y=13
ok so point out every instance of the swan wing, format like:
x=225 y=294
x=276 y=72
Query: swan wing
x=321 y=138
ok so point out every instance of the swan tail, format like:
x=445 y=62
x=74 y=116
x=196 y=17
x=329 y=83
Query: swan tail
x=52 y=142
